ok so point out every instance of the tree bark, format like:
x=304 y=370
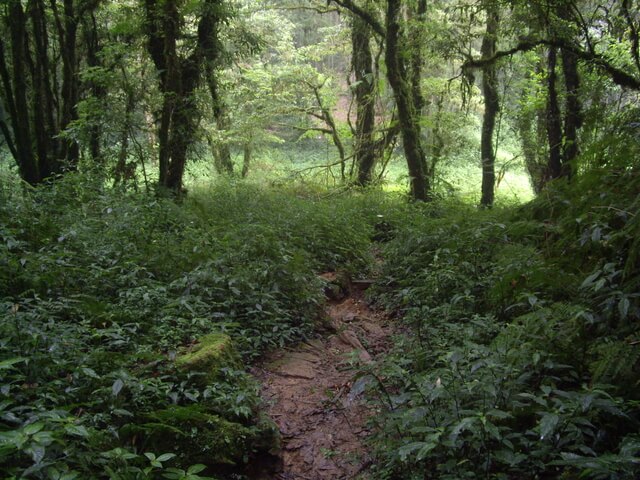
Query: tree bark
x=408 y=118
x=179 y=77
x=362 y=65
x=98 y=91
x=121 y=172
x=572 y=111
x=27 y=162
x=491 y=108
x=70 y=150
x=44 y=112
x=221 y=152
x=554 y=124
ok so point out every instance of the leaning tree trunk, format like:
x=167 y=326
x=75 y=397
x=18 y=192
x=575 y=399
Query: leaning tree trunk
x=491 y=108
x=362 y=64
x=409 y=126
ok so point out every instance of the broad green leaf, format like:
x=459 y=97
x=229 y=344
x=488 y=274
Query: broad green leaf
x=33 y=428
x=6 y=364
x=194 y=469
x=548 y=424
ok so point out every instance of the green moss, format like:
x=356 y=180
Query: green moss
x=210 y=354
x=199 y=436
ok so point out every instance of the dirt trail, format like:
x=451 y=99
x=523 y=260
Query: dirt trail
x=309 y=394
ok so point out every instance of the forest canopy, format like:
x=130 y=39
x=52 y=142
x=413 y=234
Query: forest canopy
x=139 y=91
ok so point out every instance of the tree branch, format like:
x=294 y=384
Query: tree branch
x=618 y=76
x=373 y=22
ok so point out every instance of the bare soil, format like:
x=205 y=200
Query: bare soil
x=309 y=395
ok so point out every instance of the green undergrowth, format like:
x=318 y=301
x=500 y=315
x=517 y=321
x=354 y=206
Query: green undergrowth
x=127 y=322
x=522 y=356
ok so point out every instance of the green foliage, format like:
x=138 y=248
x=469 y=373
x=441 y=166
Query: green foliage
x=522 y=361
x=106 y=296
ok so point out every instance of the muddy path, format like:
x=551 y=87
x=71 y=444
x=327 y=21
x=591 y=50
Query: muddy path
x=308 y=392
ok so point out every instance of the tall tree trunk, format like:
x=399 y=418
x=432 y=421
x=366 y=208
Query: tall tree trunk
x=70 y=150
x=572 y=111
x=362 y=65
x=417 y=55
x=43 y=107
x=221 y=151
x=554 y=124
x=185 y=117
x=179 y=78
x=98 y=91
x=491 y=108
x=27 y=162
x=409 y=126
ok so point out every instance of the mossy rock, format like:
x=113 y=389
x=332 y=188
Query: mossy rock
x=199 y=436
x=212 y=353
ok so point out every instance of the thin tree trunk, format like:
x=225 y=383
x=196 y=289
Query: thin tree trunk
x=409 y=126
x=120 y=173
x=491 y=108
x=335 y=136
x=246 y=161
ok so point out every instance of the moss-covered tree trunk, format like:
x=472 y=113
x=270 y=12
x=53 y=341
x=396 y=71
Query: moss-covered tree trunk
x=220 y=151
x=572 y=110
x=180 y=75
x=491 y=107
x=362 y=65
x=407 y=116
x=554 y=123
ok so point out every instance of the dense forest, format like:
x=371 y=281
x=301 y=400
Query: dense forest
x=190 y=188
